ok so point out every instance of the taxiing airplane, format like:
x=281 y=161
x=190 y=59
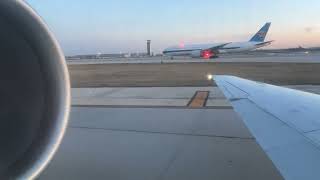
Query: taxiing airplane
x=285 y=123
x=208 y=51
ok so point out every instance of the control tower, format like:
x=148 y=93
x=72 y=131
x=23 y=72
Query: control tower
x=149 y=47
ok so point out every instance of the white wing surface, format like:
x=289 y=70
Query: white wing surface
x=285 y=123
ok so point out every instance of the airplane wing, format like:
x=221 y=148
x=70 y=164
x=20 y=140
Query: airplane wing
x=285 y=123
x=217 y=47
x=264 y=43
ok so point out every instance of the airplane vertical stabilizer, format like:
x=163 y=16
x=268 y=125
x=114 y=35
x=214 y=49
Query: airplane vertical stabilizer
x=261 y=34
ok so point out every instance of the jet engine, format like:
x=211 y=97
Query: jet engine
x=196 y=54
x=34 y=92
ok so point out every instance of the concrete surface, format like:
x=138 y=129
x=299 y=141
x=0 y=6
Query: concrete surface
x=138 y=143
x=155 y=96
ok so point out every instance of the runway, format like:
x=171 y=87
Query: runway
x=136 y=120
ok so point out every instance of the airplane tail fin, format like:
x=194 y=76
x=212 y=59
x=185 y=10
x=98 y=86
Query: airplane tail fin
x=261 y=34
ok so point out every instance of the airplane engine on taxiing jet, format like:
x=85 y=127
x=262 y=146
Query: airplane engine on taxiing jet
x=34 y=93
x=196 y=54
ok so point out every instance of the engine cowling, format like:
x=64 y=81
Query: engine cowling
x=196 y=54
x=35 y=92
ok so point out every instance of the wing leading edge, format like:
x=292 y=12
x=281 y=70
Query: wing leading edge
x=285 y=123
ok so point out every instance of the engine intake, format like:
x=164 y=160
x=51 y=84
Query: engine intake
x=34 y=93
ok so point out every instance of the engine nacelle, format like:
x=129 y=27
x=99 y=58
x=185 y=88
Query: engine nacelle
x=34 y=93
x=196 y=54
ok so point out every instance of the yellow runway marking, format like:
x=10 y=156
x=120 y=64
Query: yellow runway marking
x=199 y=99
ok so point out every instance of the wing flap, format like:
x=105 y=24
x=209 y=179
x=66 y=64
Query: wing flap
x=280 y=119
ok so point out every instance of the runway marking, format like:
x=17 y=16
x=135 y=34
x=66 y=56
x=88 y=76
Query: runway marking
x=199 y=99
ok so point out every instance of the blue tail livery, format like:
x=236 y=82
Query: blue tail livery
x=261 y=34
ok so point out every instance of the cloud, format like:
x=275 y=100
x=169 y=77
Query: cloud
x=312 y=29
x=308 y=29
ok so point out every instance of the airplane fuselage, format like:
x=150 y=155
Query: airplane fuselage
x=194 y=50
x=212 y=50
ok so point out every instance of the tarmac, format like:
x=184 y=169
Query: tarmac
x=156 y=133
x=157 y=97
x=158 y=143
x=173 y=97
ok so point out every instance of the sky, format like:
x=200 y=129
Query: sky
x=106 y=26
